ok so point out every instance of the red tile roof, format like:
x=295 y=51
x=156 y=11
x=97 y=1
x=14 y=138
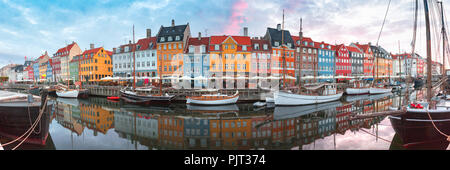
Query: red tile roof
x=145 y=43
x=240 y=40
x=65 y=49
x=196 y=42
x=354 y=49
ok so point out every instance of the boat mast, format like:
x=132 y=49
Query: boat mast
x=300 y=57
x=429 y=65
x=444 y=37
x=284 y=57
x=134 y=63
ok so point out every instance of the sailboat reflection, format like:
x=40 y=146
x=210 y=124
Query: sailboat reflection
x=286 y=112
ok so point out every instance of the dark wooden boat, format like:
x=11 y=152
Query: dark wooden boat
x=419 y=133
x=17 y=113
x=142 y=99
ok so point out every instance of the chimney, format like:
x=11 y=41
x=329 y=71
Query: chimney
x=129 y=41
x=245 y=31
x=114 y=50
x=199 y=36
x=149 y=33
x=279 y=27
x=92 y=46
x=173 y=22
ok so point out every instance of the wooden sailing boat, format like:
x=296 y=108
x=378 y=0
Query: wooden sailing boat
x=66 y=91
x=438 y=110
x=315 y=94
x=131 y=96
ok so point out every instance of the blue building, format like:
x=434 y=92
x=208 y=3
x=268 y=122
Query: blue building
x=49 y=72
x=196 y=131
x=36 y=71
x=326 y=62
x=196 y=62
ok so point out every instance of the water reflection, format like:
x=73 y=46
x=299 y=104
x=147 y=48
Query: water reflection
x=97 y=123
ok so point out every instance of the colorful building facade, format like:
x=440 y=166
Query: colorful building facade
x=196 y=67
x=95 y=64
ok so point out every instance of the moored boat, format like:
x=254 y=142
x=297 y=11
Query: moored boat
x=213 y=99
x=318 y=94
x=68 y=93
x=144 y=99
x=379 y=90
x=355 y=91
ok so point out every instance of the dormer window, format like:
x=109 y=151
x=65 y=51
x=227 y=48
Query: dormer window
x=216 y=47
x=150 y=46
x=298 y=42
x=244 y=48
x=277 y=44
x=265 y=46
x=169 y=38
x=256 y=46
x=177 y=38
x=191 y=49
x=306 y=43
x=162 y=39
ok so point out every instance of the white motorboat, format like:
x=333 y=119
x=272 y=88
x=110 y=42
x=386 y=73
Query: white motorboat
x=213 y=99
x=67 y=93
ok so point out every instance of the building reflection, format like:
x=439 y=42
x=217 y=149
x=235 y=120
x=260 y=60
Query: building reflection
x=227 y=127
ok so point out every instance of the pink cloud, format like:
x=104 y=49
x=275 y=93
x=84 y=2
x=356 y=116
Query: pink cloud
x=237 y=17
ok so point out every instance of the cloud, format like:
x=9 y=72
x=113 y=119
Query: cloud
x=237 y=17
x=26 y=12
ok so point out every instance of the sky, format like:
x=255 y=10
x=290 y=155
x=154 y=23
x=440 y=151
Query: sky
x=29 y=28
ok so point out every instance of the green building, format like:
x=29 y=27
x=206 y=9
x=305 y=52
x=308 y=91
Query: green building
x=73 y=68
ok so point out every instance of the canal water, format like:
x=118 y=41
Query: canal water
x=100 y=124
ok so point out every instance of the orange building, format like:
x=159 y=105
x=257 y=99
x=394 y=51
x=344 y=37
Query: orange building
x=171 y=131
x=230 y=133
x=230 y=58
x=281 y=41
x=171 y=42
x=96 y=118
x=95 y=64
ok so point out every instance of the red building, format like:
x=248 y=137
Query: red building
x=343 y=65
x=308 y=57
x=30 y=72
x=368 y=59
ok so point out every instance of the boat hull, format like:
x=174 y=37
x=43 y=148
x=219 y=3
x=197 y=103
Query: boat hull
x=419 y=133
x=357 y=91
x=380 y=90
x=213 y=102
x=68 y=94
x=289 y=99
x=146 y=100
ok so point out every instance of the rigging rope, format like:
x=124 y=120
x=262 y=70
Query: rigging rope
x=384 y=20
x=29 y=129
x=435 y=127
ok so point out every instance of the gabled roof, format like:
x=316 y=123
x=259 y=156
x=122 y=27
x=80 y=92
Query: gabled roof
x=364 y=47
x=354 y=49
x=196 y=42
x=144 y=44
x=65 y=49
x=177 y=30
x=325 y=45
x=275 y=35
x=240 y=41
x=338 y=47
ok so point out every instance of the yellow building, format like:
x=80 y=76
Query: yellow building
x=43 y=66
x=96 y=118
x=171 y=42
x=230 y=57
x=95 y=64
